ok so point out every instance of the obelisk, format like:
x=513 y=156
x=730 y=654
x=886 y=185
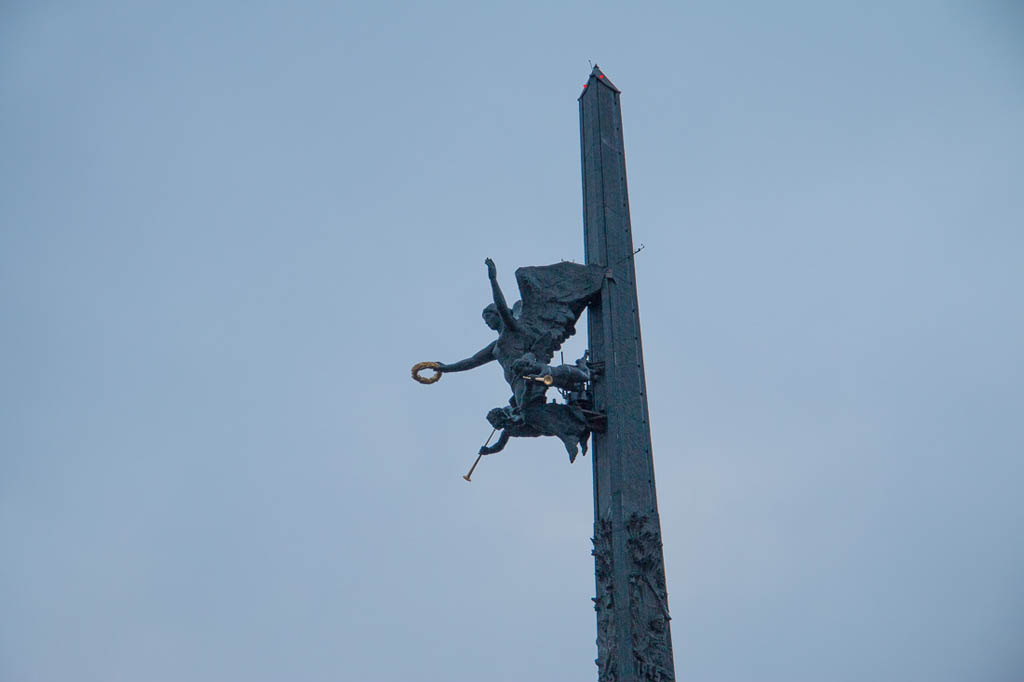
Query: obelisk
x=634 y=641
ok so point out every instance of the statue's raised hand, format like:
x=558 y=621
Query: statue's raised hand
x=492 y=270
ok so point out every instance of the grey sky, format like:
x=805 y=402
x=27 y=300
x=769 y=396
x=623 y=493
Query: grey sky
x=228 y=229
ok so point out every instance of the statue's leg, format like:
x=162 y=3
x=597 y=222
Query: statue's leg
x=518 y=391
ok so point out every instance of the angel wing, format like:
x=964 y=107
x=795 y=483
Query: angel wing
x=554 y=297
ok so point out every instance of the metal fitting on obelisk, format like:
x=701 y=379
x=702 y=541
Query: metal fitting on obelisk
x=634 y=640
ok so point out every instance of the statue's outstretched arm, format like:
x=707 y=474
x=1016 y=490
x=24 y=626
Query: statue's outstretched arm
x=499 y=298
x=481 y=357
x=497 y=447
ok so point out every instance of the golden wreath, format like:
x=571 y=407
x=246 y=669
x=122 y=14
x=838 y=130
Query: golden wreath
x=426 y=365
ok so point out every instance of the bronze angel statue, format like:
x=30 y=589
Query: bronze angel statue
x=529 y=333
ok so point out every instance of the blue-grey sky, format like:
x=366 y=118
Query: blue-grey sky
x=227 y=230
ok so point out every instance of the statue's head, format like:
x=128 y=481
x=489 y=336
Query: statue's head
x=491 y=317
x=499 y=417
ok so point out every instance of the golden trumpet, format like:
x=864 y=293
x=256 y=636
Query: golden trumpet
x=547 y=379
x=466 y=476
x=480 y=455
